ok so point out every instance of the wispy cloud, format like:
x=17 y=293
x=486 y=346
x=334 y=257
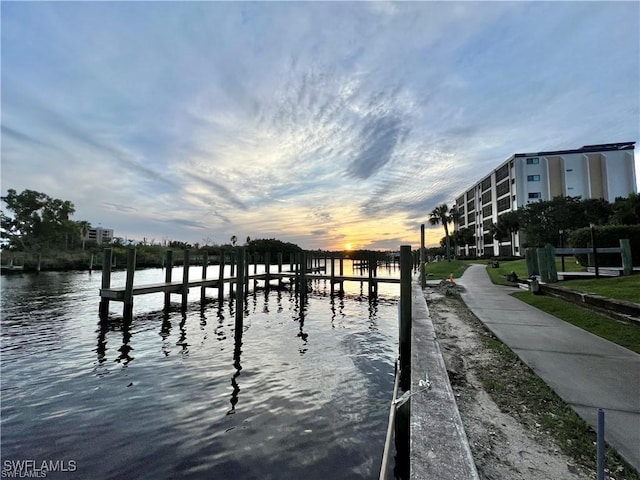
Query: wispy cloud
x=318 y=123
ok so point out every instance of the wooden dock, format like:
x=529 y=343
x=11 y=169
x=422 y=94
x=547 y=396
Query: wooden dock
x=303 y=269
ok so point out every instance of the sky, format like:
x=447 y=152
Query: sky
x=331 y=125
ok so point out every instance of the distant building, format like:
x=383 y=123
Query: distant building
x=593 y=171
x=100 y=235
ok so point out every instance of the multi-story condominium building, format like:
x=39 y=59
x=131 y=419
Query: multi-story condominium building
x=100 y=235
x=593 y=171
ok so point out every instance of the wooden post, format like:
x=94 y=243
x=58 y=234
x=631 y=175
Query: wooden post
x=232 y=267
x=405 y=316
x=106 y=281
x=185 y=279
x=279 y=270
x=246 y=273
x=39 y=262
x=303 y=277
x=221 y=278
x=267 y=269
x=341 y=273
x=167 y=277
x=625 y=252
x=127 y=311
x=370 y=274
x=205 y=263
x=255 y=272
x=423 y=275
x=91 y=263
x=333 y=272
x=240 y=292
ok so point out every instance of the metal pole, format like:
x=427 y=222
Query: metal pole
x=600 y=444
x=595 y=254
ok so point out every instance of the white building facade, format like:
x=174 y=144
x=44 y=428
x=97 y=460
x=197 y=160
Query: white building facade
x=100 y=235
x=594 y=171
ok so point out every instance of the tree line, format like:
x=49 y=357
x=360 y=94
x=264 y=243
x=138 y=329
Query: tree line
x=33 y=222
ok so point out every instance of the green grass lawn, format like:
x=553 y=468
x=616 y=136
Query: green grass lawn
x=622 y=288
x=442 y=270
x=625 y=335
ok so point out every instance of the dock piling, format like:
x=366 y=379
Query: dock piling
x=240 y=292
x=405 y=316
x=127 y=311
x=205 y=262
x=167 y=276
x=185 y=279
x=106 y=281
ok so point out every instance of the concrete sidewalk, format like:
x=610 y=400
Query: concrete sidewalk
x=587 y=371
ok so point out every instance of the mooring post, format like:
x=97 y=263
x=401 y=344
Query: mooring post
x=167 y=276
x=341 y=283
x=127 y=312
x=39 y=263
x=221 y=278
x=303 y=277
x=185 y=279
x=91 y=264
x=600 y=444
x=267 y=269
x=333 y=271
x=106 y=281
x=423 y=274
x=405 y=316
x=370 y=273
x=232 y=268
x=240 y=292
x=205 y=262
x=279 y=270
x=255 y=272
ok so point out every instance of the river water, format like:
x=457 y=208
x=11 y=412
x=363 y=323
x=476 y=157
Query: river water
x=305 y=395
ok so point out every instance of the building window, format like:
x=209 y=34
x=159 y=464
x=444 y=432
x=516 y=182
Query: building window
x=535 y=195
x=486 y=183
x=533 y=161
x=533 y=178
x=502 y=189
x=502 y=172
x=504 y=204
x=486 y=197
x=487 y=211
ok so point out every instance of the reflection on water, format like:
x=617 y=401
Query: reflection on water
x=301 y=392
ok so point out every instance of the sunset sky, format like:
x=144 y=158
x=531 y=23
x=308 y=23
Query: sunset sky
x=322 y=124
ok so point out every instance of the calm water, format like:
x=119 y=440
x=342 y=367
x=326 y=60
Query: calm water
x=304 y=396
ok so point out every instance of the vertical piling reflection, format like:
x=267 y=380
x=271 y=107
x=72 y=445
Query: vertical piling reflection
x=165 y=331
x=125 y=349
x=237 y=353
x=182 y=340
x=101 y=349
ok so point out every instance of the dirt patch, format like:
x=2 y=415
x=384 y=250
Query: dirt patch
x=507 y=438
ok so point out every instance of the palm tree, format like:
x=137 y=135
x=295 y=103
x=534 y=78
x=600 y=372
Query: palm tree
x=441 y=215
x=83 y=229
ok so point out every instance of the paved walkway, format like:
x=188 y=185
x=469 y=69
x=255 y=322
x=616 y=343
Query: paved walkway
x=587 y=371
